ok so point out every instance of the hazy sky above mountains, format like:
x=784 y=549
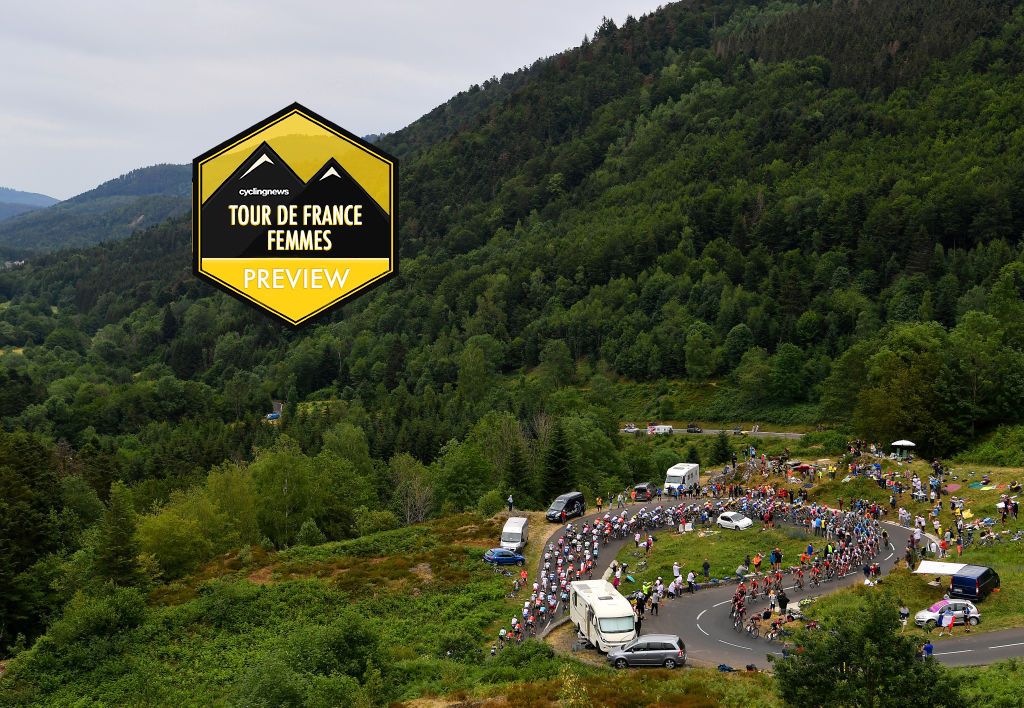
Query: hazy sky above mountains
x=92 y=90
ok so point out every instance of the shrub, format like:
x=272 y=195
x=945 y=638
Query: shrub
x=87 y=617
x=269 y=683
x=369 y=521
x=310 y=534
x=490 y=503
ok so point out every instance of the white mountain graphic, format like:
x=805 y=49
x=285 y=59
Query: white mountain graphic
x=330 y=173
x=264 y=159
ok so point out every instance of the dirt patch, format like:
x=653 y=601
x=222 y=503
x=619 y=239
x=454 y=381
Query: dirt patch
x=562 y=641
x=423 y=571
x=261 y=576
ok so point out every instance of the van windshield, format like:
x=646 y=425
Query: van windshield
x=557 y=505
x=615 y=625
x=674 y=479
x=510 y=536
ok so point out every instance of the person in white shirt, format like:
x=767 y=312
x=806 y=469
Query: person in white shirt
x=675 y=569
x=690 y=581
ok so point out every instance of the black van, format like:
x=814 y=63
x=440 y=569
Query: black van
x=570 y=502
x=974 y=582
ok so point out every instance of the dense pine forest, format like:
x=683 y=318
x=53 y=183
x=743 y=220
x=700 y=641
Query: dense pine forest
x=812 y=210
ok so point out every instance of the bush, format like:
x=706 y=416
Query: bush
x=370 y=522
x=269 y=683
x=86 y=617
x=342 y=647
x=310 y=534
x=490 y=503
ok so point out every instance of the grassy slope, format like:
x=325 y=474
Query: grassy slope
x=723 y=549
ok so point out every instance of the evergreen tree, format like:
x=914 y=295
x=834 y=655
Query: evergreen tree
x=558 y=477
x=117 y=549
x=692 y=454
x=516 y=476
x=721 y=451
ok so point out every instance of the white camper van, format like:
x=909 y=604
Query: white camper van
x=659 y=429
x=515 y=534
x=601 y=614
x=681 y=475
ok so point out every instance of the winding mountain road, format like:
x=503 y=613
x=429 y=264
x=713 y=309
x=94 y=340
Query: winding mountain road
x=702 y=619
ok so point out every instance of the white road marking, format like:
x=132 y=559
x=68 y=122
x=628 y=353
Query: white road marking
x=1003 y=646
x=961 y=651
x=723 y=602
x=738 y=646
x=702 y=629
x=889 y=556
x=701 y=615
x=698 y=623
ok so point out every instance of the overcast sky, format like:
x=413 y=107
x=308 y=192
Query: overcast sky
x=90 y=90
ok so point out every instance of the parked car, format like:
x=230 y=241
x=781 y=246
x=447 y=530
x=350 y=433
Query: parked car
x=738 y=431
x=503 y=556
x=694 y=428
x=644 y=491
x=930 y=617
x=273 y=416
x=653 y=429
x=734 y=520
x=570 y=502
x=665 y=650
x=631 y=428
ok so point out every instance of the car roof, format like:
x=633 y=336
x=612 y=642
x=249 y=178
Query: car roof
x=567 y=495
x=658 y=638
x=972 y=571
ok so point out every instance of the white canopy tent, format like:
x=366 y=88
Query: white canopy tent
x=939 y=568
x=903 y=448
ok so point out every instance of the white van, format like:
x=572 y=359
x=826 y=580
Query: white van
x=601 y=614
x=515 y=534
x=682 y=475
x=659 y=429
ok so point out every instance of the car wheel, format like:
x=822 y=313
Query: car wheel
x=670 y=663
x=973 y=621
x=929 y=625
x=621 y=664
x=520 y=563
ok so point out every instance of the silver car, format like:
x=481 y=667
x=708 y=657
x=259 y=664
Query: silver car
x=665 y=650
x=931 y=617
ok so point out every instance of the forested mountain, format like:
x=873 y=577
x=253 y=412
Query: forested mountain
x=14 y=202
x=816 y=206
x=113 y=210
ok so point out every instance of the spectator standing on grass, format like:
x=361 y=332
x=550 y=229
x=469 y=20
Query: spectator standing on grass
x=707 y=569
x=783 y=600
x=691 y=579
x=675 y=570
x=509 y=500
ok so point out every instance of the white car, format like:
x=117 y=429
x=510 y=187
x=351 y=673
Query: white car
x=734 y=520
x=930 y=618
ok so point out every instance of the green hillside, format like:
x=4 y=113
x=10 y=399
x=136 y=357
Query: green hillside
x=797 y=213
x=113 y=210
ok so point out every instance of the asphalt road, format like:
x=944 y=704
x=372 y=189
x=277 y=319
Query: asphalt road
x=702 y=619
x=712 y=431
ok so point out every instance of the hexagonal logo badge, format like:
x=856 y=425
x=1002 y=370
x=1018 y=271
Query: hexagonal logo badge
x=295 y=215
